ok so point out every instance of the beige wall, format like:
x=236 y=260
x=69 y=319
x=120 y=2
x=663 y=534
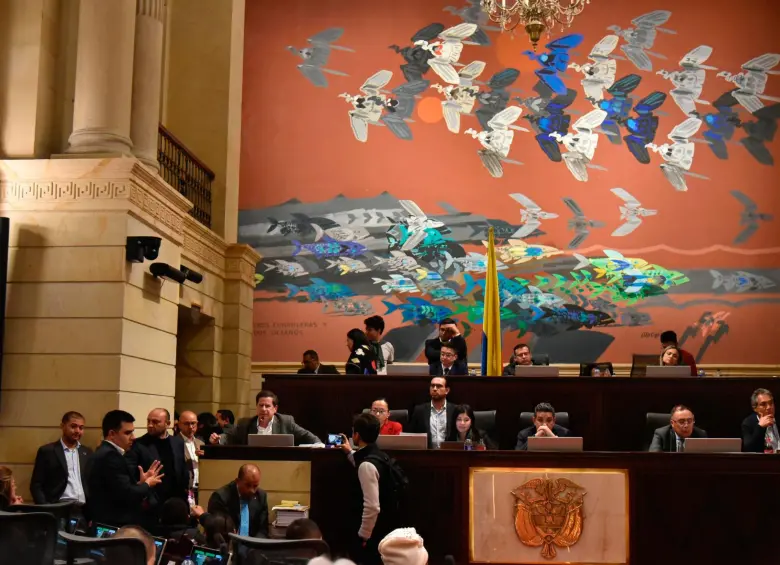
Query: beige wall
x=202 y=81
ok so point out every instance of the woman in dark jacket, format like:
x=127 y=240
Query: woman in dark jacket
x=362 y=359
x=463 y=426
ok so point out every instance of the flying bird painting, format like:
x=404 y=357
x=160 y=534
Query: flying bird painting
x=689 y=81
x=416 y=224
x=447 y=50
x=579 y=223
x=581 y=145
x=460 y=99
x=600 y=74
x=472 y=13
x=749 y=218
x=679 y=154
x=497 y=140
x=632 y=213
x=640 y=38
x=316 y=56
x=555 y=60
x=752 y=82
x=531 y=215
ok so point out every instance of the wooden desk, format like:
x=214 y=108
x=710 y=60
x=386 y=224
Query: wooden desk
x=685 y=509
x=609 y=413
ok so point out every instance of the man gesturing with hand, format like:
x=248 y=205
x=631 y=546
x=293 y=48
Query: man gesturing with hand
x=759 y=430
x=115 y=497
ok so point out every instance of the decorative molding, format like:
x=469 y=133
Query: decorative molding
x=241 y=263
x=62 y=191
x=151 y=8
x=204 y=246
x=566 y=370
x=157 y=209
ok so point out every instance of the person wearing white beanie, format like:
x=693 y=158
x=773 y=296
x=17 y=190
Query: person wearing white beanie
x=403 y=546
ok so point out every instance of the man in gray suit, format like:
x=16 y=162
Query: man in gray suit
x=681 y=427
x=267 y=421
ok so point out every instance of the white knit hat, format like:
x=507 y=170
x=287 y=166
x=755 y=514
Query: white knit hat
x=403 y=546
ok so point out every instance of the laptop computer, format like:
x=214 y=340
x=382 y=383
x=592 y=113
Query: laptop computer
x=404 y=441
x=667 y=371
x=159 y=549
x=407 y=370
x=271 y=440
x=554 y=443
x=713 y=445
x=104 y=531
x=204 y=555
x=536 y=371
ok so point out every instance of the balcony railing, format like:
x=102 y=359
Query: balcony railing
x=186 y=173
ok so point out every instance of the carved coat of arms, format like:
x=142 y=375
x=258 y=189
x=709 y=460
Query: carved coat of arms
x=548 y=513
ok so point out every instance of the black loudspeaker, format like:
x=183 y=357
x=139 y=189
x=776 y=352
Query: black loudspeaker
x=5 y=229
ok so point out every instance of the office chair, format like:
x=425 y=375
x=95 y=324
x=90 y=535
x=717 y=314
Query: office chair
x=60 y=510
x=654 y=421
x=540 y=359
x=640 y=362
x=400 y=416
x=485 y=420
x=256 y=551
x=28 y=538
x=104 y=551
x=587 y=368
x=527 y=419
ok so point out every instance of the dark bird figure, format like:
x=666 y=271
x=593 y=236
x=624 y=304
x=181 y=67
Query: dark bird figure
x=316 y=56
x=415 y=56
x=749 y=218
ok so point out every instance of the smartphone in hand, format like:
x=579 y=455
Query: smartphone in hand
x=335 y=440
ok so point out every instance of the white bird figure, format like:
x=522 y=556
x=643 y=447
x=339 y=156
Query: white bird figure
x=751 y=83
x=600 y=74
x=531 y=216
x=447 y=51
x=368 y=107
x=416 y=224
x=632 y=212
x=642 y=37
x=689 y=81
x=679 y=154
x=498 y=140
x=582 y=145
x=460 y=99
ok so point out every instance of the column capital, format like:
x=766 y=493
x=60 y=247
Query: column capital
x=151 y=8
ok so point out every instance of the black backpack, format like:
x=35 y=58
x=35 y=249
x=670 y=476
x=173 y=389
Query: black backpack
x=398 y=479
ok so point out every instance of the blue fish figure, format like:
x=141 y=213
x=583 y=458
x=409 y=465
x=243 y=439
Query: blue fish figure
x=418 y=309
x=443 y=293
x=618 y=107
x=643 y=128
x=475 y=313
x=507 y=288
x=555 y=60
x=320 y=290
x=329 y=247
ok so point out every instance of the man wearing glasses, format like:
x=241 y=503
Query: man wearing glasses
x=448 y=363
x=193 y=450
x=681 y=427
x=760 y=433
x=381 y=410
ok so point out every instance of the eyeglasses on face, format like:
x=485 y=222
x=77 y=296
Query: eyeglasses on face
x=378 y=411
x=684 y=421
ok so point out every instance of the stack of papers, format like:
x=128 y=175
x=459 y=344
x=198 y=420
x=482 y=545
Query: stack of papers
x=287 y=513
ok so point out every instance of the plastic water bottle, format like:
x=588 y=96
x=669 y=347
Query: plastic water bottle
x=702 y=373
x=187 y=561
x=468 y=445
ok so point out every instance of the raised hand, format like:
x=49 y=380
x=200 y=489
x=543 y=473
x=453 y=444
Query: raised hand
x=152 y=477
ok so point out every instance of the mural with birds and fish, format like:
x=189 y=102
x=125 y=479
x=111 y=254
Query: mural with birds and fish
x=626 y=166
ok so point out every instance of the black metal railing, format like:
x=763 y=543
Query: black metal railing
x=186 y=173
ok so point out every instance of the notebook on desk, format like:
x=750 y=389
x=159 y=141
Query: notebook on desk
x=536 y=371
x=554 y=443
x=667 y=371
x=713 y=445
x=404 y=441
x=271 y=440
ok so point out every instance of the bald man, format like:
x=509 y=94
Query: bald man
x=244 y=501
x=158 y=445
x=193 y=449
x=120 y=557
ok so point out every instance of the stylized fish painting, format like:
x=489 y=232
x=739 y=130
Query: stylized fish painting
x=286 y=268
x=321 y=290
x=418 y=309
x=518 y=251
x=740 y=281
x=475 y=313
x=346 y=265
x=397 y=283
x=328 y=247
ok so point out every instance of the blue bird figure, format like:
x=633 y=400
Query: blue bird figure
x=555 y=60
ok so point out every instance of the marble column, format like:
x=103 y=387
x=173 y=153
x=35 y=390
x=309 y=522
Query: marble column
x=104 y=78
x=147 y=79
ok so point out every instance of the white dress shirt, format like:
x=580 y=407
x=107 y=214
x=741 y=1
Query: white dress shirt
x=74 y=490
x=438 y=423
x=189 y=445
x=388 y=352
x=267 y=431
x=115 y=446
x=775 y=439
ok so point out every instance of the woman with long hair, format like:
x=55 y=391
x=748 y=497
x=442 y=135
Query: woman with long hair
x=463 y=426
x=362 y=359
x=8 y=494
x=671 y=356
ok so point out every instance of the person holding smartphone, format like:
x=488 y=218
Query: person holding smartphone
x=448 y=334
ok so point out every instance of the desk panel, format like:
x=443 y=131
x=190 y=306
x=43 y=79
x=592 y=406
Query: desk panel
x=683 y=508
x=609 y=413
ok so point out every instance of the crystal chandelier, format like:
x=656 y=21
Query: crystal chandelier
x=536 y=15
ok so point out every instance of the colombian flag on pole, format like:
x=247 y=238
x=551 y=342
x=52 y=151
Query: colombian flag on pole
x=491 y=315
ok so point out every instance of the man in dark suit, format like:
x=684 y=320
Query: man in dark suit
x=672 y=437
x=116 y=495
x=159 y=445
x=311 y=365
x=435 y=417
x=449 y=364
x=521 y=355
x=244 y=501
x=544 y=426
x=267 y=421
x=448 y=333
x=760 y=432
x=60 y=471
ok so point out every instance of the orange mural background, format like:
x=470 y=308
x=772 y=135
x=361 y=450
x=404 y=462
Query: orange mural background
x=297 y=143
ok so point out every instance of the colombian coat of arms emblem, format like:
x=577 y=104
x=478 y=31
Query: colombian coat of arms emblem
x=548 y=513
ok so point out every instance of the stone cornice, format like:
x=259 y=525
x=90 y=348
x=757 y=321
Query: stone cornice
x=203 y=246
x=241 y=262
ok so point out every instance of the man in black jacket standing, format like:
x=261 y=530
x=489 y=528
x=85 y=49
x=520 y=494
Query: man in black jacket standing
x=159 y=445
x=116 y=496
x=60 y=471
x=544 y=426
x=377 y=513
x=434 y=417
x=449 y=334
x=760 y=433
x=672 y=437
x=244 y=501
